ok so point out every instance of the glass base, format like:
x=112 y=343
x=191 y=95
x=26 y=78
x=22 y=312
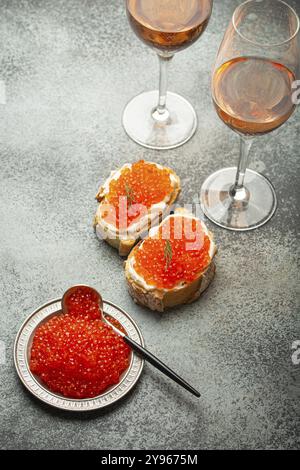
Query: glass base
x=140 y=125
x=255 y=206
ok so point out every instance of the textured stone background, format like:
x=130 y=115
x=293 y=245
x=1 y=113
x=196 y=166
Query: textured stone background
x=70 y=67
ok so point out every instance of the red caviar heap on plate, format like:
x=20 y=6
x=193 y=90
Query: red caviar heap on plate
x=175 y=255
x=76 y=354
x=143 y=184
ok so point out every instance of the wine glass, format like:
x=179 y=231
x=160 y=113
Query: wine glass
x=253 y=93
x=160 y=119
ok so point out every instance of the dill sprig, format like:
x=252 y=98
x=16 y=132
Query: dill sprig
x=168 y=253
x=129 y=194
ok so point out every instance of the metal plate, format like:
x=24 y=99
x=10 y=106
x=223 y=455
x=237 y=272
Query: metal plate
x=34 y=385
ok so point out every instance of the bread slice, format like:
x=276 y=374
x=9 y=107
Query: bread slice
x=183 y=293
x=124 y=240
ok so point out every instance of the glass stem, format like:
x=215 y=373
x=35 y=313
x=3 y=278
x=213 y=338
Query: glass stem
x=161 y=113
x=238 y=190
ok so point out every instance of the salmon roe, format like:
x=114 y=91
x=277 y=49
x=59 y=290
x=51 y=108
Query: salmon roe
x=177 y=253
x=78 y=355
x=143 y=184
x=83 y=301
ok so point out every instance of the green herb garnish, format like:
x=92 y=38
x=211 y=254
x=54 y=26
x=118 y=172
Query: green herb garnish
x=129 y=194
x=168 y=252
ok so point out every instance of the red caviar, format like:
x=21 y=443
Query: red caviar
x=78 y=355
x=143 y=184
x=83 y=301
x=177 y=253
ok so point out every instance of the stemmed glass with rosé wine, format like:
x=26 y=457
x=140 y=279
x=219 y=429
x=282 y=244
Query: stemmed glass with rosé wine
x=160 y=119
x=253 y=93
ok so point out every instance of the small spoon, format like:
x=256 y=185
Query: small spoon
x=135 y=346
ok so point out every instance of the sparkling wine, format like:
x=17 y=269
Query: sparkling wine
x=253 y=95
x=169 y=25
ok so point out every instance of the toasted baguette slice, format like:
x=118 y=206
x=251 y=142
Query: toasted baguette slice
x=124 y=240
x=160 y=299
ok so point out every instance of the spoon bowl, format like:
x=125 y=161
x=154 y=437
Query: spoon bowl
x=98 y=298
x=73 y=289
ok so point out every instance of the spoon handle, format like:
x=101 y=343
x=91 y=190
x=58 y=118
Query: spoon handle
x=160 y=365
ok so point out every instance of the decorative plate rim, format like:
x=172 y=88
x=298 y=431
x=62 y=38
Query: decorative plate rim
x=111 y=395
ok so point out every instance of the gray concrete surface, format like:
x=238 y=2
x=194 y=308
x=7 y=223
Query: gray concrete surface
x=69 y=68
